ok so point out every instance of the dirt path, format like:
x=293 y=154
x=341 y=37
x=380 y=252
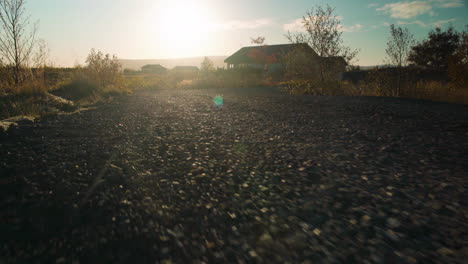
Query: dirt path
x=269 y=178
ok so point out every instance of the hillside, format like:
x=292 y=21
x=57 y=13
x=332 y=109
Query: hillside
x=218 y=61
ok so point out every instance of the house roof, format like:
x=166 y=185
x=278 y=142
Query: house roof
x=265 y=54
x=153 y=66
x=334 y=60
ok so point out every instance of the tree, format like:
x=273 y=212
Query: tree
x=17 y=38
x=398 y=48
x=258 y=40
x=324 y=34
x=458 y=63
x=435 y=51
x=207 y=65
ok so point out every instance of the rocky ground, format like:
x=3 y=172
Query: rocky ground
x=269 y=178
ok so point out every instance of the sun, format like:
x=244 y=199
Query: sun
x=184 y=27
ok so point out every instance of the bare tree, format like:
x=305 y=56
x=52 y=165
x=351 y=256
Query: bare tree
x=206 y=68
x=207 y=65
x=258 y=40
x=399 y=46
x=17 y=38
x=398 y=49
x=323 y=32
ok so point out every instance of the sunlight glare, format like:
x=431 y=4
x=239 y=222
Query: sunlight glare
x=184 y=26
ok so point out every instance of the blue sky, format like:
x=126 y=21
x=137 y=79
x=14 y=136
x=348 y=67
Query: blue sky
x=152 y=29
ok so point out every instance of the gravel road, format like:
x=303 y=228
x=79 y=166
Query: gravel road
x=166 y=177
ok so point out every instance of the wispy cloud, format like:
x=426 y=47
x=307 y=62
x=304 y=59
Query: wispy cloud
x=243 y=24
x=372 y=4
x=294 y=26
x=352 y=28
x=297 y=26
x=410 y=9
x=416 y=22
x=438 y=23
x=448 y=3
x=406 y=9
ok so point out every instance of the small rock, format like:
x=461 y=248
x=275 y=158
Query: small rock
x=393 y=222
x=317 y=232
x=445 y=251
x=265 y=237
x=365 y=218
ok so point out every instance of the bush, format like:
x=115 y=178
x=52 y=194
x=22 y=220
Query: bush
x=103 y=69
x=77 y=89
x=101 y=77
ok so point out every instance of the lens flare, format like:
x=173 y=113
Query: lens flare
x=218 y=101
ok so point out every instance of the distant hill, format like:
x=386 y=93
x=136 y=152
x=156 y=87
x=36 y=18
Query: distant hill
x=364 y=68
x=218 y=61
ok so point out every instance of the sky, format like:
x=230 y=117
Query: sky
x=158 y=29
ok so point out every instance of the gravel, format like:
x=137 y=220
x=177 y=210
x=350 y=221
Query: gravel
x=168 y=177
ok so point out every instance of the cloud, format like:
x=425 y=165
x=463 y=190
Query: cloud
x=372 y=5
x=297 y=25
x=442 y=22
x=243 y=24
x=352 y=28
x=294 y=26
x=448 y=3
x=406 y=9
x=416 y=22
x=423 y=24
x=410 y=9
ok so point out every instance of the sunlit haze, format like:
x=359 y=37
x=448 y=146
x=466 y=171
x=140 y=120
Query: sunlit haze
x=157 y=29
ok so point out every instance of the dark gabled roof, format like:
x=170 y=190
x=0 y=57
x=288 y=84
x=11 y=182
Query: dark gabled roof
x=153 y=67
x=244 y=55
x=334 y=60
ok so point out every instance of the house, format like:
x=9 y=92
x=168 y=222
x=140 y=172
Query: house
x=154 y=68
x=269 y=58
x=335 y=66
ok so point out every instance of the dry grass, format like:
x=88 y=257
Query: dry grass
x=32 y=105
x=237 y=78
x=146 y=81
x=427 y=90
x=303 y=86
x=437 y=91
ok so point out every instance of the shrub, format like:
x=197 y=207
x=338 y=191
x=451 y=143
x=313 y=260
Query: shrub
x=77 y=89
x=101 y=77
x=103 y=69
